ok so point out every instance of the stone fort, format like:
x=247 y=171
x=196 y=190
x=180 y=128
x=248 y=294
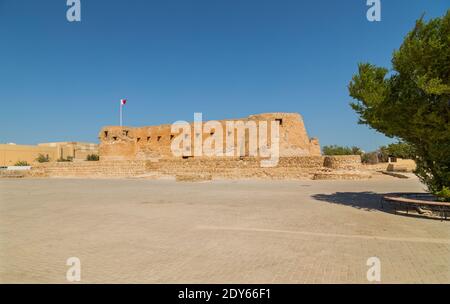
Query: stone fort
x=146 y=152
x=154 y=142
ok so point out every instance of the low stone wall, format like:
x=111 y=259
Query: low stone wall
x=336 y=175
x=310 y=162
x=193 y=177
x=12 y=173
x=345 y=162
x=314 y=162
x=375 y=167
x=402 y=165
x=294 y=168
x=229 y=168
x=89 y=169
x=239 y=168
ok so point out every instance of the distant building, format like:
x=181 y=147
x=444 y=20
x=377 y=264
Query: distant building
x=12 y=153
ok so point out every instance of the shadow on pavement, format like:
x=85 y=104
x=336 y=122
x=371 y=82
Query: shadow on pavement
x=371 y=201
x=361 y=200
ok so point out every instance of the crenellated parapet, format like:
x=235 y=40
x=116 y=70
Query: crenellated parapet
x=156 y=142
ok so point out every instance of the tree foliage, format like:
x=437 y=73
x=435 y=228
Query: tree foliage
x=412 y=102
x=92 y=157
x=371 y=158
x=339 y=150
x=398 y=150
x=42 y=158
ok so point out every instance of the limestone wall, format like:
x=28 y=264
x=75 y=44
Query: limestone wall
x=345 y=162
x=405 y=165
x=336 y=175
x=190 y=169
x=238 y=167
x=154 y=142
x=11 y=154
x=89 y=169
x=229 y=168
x=74 y=150
x=375 y=167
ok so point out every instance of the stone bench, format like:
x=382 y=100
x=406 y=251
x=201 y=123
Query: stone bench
x=409 y=203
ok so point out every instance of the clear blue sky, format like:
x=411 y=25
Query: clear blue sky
x=226 y=58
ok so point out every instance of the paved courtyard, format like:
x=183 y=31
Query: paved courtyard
x=162 y=231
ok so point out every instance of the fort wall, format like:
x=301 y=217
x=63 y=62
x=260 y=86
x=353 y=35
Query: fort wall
x=345 y=162
x=154 y=142
x=12 y=153
x=293 y=168
x=147 y=152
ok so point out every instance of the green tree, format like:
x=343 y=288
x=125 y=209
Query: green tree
x=370 y=158
x=399 y=150
x=42 y=158
x=412 y=102
x=357 y=151
x=339 y=150
x=92 y=157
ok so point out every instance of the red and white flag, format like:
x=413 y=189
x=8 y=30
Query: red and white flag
x=123 y=101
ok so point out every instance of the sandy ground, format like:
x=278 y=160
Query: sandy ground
x=150 y=231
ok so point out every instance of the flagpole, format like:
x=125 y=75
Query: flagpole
x=121 y=105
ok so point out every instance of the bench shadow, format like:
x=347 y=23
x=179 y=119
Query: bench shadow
x=368 y=201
